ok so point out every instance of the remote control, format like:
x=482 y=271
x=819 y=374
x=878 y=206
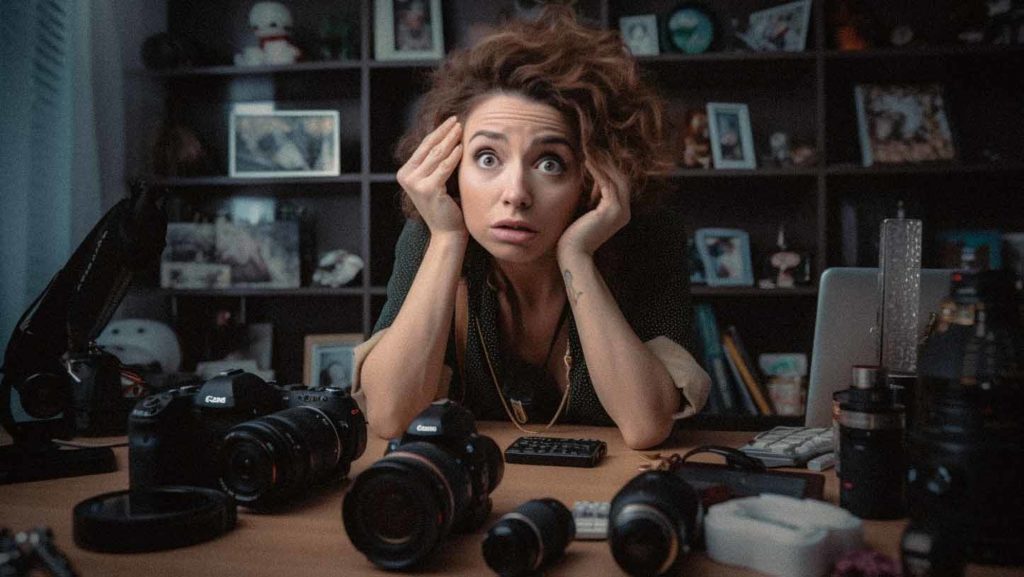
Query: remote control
x=591 y=518
x=555 y=451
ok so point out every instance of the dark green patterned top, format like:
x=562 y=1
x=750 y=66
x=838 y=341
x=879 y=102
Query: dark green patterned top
x=644 y=265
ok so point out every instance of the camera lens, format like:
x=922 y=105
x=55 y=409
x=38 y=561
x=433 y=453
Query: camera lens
x=653 y=521
x=401 y=507
x=522 y=541
x=267 y=461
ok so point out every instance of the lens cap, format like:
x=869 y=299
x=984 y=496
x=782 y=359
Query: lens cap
x=152 y=519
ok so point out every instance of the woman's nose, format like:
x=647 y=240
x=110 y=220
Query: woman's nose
x=516 y=190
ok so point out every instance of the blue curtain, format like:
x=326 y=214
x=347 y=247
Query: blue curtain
x=50 y=167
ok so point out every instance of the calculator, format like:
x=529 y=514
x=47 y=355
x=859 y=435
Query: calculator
x=555 y=451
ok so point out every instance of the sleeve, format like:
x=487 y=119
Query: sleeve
x=409 y=251
x=660 y=309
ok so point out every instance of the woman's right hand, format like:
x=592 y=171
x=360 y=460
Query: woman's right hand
x=425 y=174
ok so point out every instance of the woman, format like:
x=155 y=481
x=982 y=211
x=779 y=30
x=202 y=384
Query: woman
x=524 y=287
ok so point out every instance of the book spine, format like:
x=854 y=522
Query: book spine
x=742 y=394
x=760 y=399
x=715 y=356
x=760 y=381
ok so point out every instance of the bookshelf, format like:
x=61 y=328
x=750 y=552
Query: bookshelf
x=808 y=94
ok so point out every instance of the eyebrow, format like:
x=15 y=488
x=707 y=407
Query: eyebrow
x=550 y=139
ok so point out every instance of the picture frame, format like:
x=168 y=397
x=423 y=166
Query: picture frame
x=725 y=253
x=640 y=34
x=283 y=143
x=970 y=249
x=329 y=359
x=264 y=255
x=696 y=265
x=903 y=123
x=732 y=141
x=194 y=275
x=779 y=29
x=408 y=30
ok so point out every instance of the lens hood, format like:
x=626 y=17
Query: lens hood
x=152 y=519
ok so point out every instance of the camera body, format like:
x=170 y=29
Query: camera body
x=174 y=437
x=453 y=428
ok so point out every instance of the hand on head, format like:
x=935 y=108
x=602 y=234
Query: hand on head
x=425 y=175
x=608 y=209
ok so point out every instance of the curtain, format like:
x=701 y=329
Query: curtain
x=61 y=138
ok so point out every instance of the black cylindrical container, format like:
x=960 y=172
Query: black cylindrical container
x=532 y=536
x=966 y=454
x=871 y=426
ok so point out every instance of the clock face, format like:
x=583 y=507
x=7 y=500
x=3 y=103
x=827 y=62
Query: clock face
x=691 y=30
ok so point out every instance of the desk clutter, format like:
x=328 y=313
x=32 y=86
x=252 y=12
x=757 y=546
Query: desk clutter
x=944 y=447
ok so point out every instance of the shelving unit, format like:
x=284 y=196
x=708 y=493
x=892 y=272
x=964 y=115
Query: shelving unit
x=809 y=95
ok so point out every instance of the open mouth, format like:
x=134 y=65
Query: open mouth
x=513 y=231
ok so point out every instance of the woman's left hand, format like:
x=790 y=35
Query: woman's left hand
x=597 y=225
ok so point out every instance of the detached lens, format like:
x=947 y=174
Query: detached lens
x=653 y=521
x=269 y=460
x=532 y=536
x=400 y=509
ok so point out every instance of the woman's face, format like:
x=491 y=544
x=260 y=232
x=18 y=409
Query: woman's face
x=520 y=177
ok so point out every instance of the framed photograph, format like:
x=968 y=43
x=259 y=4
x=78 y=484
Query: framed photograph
x=264 y=255
x=732 y=142
x=194 y=275
x=640 y=33
x=407 y=30
x=697 y=275
x=900 y=124
x=329 y=360
x=725 y=253
x=190 y=242
x=970 y=249
x=283 y=143
x=779 y=29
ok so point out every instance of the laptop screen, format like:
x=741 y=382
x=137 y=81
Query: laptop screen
x=846 y=330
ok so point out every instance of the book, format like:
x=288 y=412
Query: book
x=763 y=402
x=714 y=357
x=746 y=401
x=756 y=378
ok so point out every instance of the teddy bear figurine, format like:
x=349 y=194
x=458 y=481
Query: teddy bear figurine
x=271 y=22
x=696 y=142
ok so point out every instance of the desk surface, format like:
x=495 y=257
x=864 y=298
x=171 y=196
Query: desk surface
x=310 y=539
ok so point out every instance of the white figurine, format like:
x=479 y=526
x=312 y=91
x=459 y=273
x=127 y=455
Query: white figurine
x=271 y=22
x=337 y=268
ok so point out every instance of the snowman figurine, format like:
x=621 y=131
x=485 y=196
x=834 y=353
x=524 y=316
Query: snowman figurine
x=271 y=22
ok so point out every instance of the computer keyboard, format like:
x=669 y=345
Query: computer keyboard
x=790 y=446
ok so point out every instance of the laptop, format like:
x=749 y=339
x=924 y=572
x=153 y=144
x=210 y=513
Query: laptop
x=845 y=332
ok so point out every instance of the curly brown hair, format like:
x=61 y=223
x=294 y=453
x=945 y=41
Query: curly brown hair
x=586 y=74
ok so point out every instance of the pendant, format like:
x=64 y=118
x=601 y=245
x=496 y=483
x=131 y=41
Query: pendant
x=519 y=411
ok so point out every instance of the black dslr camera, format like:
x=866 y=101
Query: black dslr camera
x=435 y=479
x=261 y=443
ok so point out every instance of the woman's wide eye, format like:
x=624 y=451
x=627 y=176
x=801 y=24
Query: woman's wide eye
x=551 y=165
x=486 y=160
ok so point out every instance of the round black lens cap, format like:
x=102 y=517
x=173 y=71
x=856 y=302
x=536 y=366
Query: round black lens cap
x=152 y=519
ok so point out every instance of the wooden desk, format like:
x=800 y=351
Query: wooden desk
x=310 y=539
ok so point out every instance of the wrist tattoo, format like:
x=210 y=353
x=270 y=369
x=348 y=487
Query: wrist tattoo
x=573 y=294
